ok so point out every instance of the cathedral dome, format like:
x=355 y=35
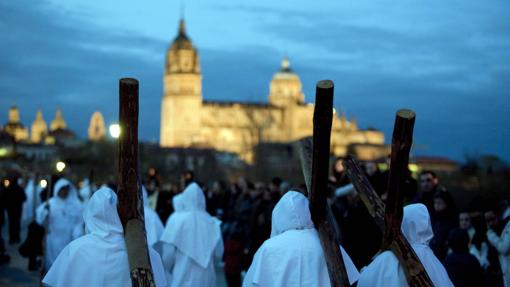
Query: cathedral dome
x=182 y=57
x=285 y=72
x=285 y=87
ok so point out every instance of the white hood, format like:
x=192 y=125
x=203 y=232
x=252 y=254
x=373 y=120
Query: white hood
x=291 y=212
x=193 y=231
x=193 y=198
x=385 y=270
x=177 y=203
x=100 y=257
x=101 y=216
x=293 y=256
x=73 y=194
x=416 y=225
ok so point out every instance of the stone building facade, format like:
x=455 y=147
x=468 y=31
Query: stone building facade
x=187 y=120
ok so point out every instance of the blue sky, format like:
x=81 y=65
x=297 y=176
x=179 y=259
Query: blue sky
x=447 y=60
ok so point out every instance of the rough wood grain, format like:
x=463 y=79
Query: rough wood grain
x=389 y=217
x=130 y=199
x=322 y=121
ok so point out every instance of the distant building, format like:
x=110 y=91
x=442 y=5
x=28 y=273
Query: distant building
x=39 y=128
x=14 y=127
x=436 y=164
x=58 y=122
x=189 y=121
x=97 y=129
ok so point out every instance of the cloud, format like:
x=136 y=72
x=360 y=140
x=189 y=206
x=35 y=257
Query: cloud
x=50 y=58
x=447 y=61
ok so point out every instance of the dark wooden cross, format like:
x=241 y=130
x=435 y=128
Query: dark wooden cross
x=315 y=165
x=130 y=199
x=389 y=217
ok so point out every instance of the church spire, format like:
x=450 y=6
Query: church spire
x=58 y=122
x=182 y=27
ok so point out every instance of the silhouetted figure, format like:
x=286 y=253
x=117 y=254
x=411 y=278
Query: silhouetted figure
x=462 y=267
x=4 y=258
x=14 y=198
x=444 y=219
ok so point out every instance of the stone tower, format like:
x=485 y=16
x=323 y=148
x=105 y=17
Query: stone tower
x=14 y=127
x=97 y=129
x=58 y=122
x=285 y=91
x=182 y=93
x=39 y=128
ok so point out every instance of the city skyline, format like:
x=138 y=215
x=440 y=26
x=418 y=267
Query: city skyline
x=450 y=71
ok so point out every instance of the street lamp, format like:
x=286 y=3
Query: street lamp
x=60 y=166
x=43 y=183
x=114 y=131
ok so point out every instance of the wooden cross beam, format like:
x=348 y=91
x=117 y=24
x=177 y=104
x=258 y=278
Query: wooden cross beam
x=317 y=183
x=389 y=217
x=130 y=200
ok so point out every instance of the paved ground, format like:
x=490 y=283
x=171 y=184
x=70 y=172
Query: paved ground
x=15 y=274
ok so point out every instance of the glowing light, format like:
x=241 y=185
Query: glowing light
x=114 y=131
x=43 y=183
x=413 y=167
x=3 y=152
x=60 y=166
x=7 y=183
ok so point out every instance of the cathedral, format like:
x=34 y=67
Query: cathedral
x=187 y=120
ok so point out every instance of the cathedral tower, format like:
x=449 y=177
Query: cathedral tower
x=39 y=128
x=58 y=122
x=182 y=93
x=97 y=129
x=14 y=127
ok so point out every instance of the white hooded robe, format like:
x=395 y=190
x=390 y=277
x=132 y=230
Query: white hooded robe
x=293 y=256
x=385 y=270
x=65 y=220
x=100 y=257
x=153 y=225
x=192 y=241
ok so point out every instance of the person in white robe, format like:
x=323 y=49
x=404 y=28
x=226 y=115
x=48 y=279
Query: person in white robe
x=62 y=215
x=86 y=191
x=100 y=257
x=153 y=225
x=293 y=255
x=192 y=242
x=386 y=271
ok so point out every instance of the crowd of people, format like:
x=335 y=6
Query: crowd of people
x=255 y=230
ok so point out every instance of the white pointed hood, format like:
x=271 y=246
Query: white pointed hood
x=100 y=257
x=177 y=203
x=101 y=216
x=193 y=231
x=416 y=225
x=293 y=256
x=386 y=270
x=73 y=194
x=417 y=229
x=291 y=212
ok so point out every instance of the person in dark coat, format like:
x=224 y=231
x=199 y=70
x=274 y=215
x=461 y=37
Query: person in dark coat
x=14 y=198
x=444 y=219
x=429 y=186
x=4 y=258
x=462 y=267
